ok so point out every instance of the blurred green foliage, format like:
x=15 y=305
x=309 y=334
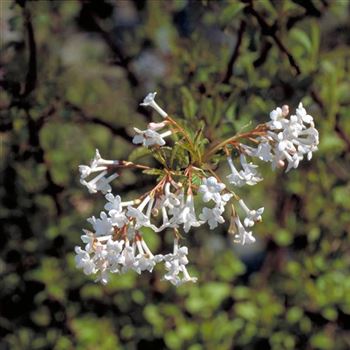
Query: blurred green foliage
x=72 y=75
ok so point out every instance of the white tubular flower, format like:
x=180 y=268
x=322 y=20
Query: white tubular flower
x=85 y=170
x=169 y=199
x=114 y=203
x=242 y=236
x=96 y=165
x=115 y=211
x=175 y=263
x=252 y=216
x=248 y=175
x=249 y=172
x=103 y=278
x=303 y=116
x=98 y=160
x=293 y=139
x=83 y=261
x=113 y=256
x=263 y=151
x=146 y=260
x=212 y=216
x=149 y=101
x=142 y=219
x=277 y=119
x=187 y=215
x=88 y=239
x=234 y=178
x=157 y=258
x=128 y=260
x=149 y=137
x=102 y=226
x=99 y=183
x=210 y=189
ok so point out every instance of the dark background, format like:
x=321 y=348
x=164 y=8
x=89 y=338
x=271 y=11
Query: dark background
x=72 y=76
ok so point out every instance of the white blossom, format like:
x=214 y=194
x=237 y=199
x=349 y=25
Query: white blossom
x=302 y=114
x=97 y=164
x=212 y=216
x=86 y=170
x=175 y=264
x=115 y=210
x=293 y=139
x=211 y=188
x=248 y=175
x=149 y=101
x=88 y=238
x=102 y=226
x=99 y=183
x=113 y=256
x=263 y=151
x=252 y=216
x=187 y=215
x=83 y=261
x=242 y=236
x=141 y=219
x=169 y=199
x=277 y=119
x=149 y=137
x=128 y=258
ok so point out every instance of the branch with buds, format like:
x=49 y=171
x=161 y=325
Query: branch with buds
x=186 y=172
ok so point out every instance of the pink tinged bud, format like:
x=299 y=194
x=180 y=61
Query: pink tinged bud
x=157 y=126
x=232 y=230
x=285 y=110
x=155 y=212
x=280 y=164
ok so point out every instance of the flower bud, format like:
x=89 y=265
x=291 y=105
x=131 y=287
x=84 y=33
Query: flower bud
x=285 y=110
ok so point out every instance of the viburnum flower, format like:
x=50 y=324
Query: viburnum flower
x=149 y=101
x=252 y=216
x=212 y=216
x=247 y=176
x=187 y=215
x=149 y=137
x=188 y=192
x=242 y=236
x=102 y=226
x=83 y=261
x=211 y=189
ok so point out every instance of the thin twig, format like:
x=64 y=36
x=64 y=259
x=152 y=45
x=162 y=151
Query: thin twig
x=270 y=30
x=235 y=53
x=118 y=131
x=31 y=77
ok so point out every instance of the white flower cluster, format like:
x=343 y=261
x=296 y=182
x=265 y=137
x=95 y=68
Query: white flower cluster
x=117 y=245
x=287 y=139
x=99 y=167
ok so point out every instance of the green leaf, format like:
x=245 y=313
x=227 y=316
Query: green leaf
x=179 y=157
x=322 y=341
x=230 y=12
x=189 y=105
x=196 y=180
x=302 y=38
x=139 y=153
